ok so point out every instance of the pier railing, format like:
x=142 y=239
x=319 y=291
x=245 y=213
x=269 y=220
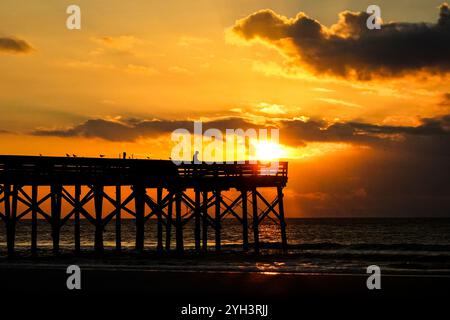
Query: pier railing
x=72 y=171
x=246 y=169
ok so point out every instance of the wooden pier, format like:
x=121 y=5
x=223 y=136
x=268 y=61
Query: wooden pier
x=199 y=187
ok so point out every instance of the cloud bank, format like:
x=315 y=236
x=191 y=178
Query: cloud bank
x=132 y=129
x=294 y=132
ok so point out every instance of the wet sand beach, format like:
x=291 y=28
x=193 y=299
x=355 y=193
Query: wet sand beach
x=52 y=279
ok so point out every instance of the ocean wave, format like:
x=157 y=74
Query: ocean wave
x=372 y=246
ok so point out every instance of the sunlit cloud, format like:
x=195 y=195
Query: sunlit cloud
x=141 y=69
x=324 y=90
x=179 y=70
x=314 y=149
x=80 y=64
x=339 y=102
x=273 y=109
x=189 y=41
x=126 y=44
x=135 y=69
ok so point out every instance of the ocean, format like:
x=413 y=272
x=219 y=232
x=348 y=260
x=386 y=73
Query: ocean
x=334 y=245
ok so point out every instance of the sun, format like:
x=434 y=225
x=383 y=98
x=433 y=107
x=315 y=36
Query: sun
x=267 y=150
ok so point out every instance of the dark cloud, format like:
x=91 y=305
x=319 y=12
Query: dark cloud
x=127 y=130
x=431 y=137
x=320 y=131
x=133 y=129
x=349 y=48
x=431 y=132
x=445 y=99
x=14 y=45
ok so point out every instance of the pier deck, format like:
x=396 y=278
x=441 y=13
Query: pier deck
x=198 y=187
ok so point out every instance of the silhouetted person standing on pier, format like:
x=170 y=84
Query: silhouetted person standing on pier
x=195 y=160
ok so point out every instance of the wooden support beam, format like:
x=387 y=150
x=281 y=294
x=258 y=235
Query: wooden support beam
x=98 y=203
x=76 y=222
x=270 y=207
x=139 y=201
x=2 y=199
x=154 y=207
x=197 y=219
x=244 y=220
x=169 y=221
x=229 y=208
x=56 y=200
x=179 y=223
x=217 y=219
x=10 y=222
x=12 y=230
x=118 y=205
x=188 y=201
x=34 y=221
x=282 y=219
x=205 y=221
x=255 y=221
x=159 y=231
x=71 y=200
